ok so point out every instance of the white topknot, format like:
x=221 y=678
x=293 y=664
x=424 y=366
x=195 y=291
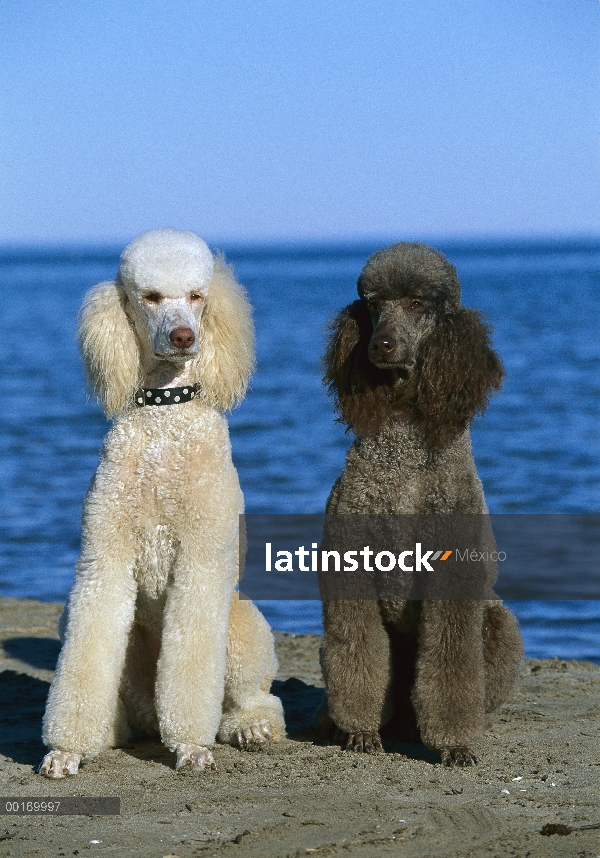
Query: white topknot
x=166 y=256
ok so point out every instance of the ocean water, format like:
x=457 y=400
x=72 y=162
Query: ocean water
x=537 y=449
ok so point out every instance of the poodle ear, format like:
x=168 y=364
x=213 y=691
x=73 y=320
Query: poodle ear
x=109 y=346
x=226 y=357
x=360 y=390
x=457 y=371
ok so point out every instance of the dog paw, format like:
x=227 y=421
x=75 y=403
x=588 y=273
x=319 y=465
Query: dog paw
x=58 y=764
x=194 y=758
x=367 y=741
x=458 y=757
x=250 y=737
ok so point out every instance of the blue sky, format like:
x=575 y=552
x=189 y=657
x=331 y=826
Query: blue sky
x=317 y=119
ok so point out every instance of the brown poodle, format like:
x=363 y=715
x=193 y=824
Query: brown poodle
x=409 y=368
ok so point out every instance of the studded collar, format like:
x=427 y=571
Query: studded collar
x=164 y=395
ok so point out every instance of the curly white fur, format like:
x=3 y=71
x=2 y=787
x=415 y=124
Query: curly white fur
x=155 y=638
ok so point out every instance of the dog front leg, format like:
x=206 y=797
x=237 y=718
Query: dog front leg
x=449 y=691
x=357 y=670
x=191 y=668
x=83 y=695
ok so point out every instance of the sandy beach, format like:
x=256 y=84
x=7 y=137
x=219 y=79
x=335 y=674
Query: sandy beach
x=539 y=763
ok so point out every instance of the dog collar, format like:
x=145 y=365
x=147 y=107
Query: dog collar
x=164 y=395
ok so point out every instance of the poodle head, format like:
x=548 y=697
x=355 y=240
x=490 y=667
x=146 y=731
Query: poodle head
x=165 y=275
x=405 y=287
x=172 y=302
x=408 y=348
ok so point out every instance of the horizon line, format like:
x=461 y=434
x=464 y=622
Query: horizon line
x=110 y=246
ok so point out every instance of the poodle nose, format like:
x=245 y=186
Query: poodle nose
x=182 y=338
x=382 y=346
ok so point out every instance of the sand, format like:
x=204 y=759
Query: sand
x=539 y=763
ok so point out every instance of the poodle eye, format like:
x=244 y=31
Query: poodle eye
x=415 y=304
x=196 y=296
x=153 y=297
x=372 y=305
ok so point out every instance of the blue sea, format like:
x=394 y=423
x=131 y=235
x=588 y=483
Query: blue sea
x=537 y=449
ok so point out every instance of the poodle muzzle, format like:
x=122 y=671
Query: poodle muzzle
x=172 y=328
x=388 y=351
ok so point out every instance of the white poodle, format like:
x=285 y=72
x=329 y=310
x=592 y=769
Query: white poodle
x=154 y=637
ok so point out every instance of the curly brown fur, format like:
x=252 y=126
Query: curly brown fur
x=409 y=367
x=454 y=370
